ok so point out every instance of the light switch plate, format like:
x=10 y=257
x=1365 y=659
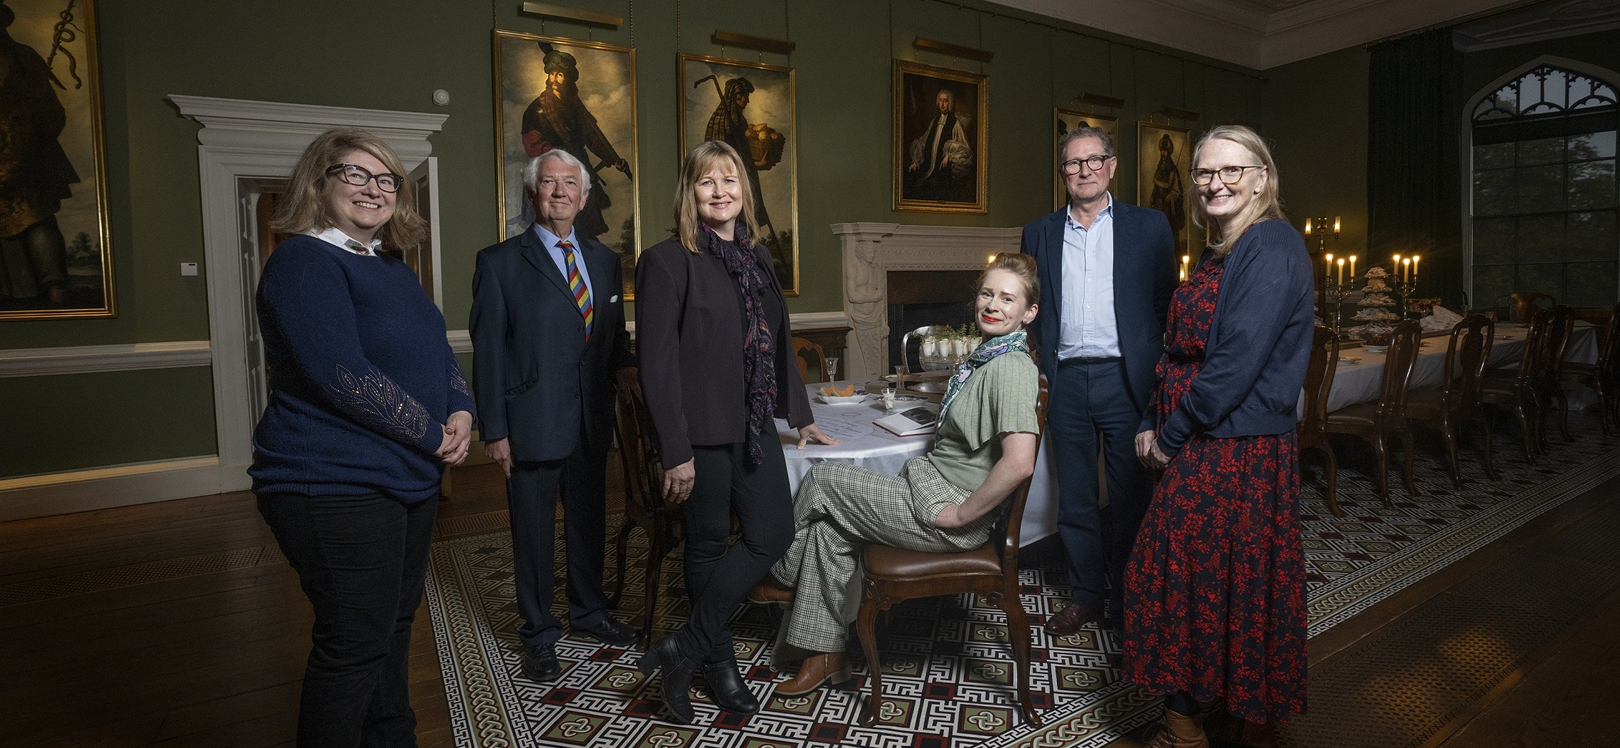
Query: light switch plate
x=188 y=268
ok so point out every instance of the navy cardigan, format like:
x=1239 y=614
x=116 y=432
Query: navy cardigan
x=361 y=376
x=1258 y=346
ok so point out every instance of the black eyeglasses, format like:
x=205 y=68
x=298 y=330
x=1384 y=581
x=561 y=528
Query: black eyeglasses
x=358 y=176
x=1072 y=166
x=1229 y=174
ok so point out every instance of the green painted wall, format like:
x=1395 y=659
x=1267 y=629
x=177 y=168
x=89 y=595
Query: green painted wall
x=1316 y=120
x=83 y=420
x=392 y=55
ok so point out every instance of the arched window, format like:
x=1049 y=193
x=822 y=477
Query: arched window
x=1544 y=208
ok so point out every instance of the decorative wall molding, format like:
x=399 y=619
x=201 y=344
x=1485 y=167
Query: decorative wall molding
x=871 y=250
x=288 y=128
x=93 y=359
x=1261 y=34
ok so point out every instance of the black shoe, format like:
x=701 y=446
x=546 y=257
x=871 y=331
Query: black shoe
x=540 y=663
x=609 y=631
x=678 y=670
x=728 y=688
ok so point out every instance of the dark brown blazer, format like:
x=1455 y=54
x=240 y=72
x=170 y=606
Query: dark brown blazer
x=689 y=341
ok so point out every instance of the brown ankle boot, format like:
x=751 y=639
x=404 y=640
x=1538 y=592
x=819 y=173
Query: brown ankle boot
x=818 y=668
x=770 y=591
x=1180 y=731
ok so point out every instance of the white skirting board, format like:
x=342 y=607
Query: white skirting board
x=117 y=485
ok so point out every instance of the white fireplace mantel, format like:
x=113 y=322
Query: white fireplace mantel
x=872 y=250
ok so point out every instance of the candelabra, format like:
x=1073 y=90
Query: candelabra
x=1406 y=275
x=1318 y=227
x=1337 y=292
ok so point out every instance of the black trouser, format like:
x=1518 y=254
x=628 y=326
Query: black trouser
x=719 y=574
x=531 y=497
x=362 y=561
x=1092 y=410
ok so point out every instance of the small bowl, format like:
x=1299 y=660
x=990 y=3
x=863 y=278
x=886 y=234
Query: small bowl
x=836 y=400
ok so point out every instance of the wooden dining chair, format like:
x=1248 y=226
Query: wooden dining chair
x=644 y=504
x=1602 y=375
x=1550 y=366
x=1458 y=398
x=894 y=575
x=1376 y=421
x=1319 y=373
x=808 y=351
x=1514 y=390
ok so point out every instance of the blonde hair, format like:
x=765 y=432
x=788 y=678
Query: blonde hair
x=698 y=163
x=304 y=206
x=1264 y=206
x=1018 y=264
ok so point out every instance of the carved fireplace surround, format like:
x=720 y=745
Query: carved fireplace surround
x=873 y=250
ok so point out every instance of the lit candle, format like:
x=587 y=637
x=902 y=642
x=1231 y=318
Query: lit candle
x=1184 y=275
x=1186 y=268
x=1341 y=271
x=1352 y=268
x=1307 y=227
x=1415 y=259
x=1406 y=270
x=1335 y=225
x=1328 y=267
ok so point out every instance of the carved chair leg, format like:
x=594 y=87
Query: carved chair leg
x=1485 y=431
x=1382 y=453
x=1448 y=428
x=1406 y=459
x=1018 y=632
x=622 y=549
x=1332 y=472
x=657 y=548
x=866 y=625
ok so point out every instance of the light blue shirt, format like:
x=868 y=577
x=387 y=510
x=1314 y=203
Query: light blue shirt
x=550 y=240
x=1087 y=328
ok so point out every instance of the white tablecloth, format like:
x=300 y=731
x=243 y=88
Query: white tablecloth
x=1358 y=382
x=874 y=448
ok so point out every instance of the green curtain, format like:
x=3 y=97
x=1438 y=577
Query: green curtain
x=1414 y=198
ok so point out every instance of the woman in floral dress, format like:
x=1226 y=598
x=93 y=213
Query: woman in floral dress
x=1215 y=589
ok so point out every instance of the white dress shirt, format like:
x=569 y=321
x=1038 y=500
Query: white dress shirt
x=1087 y=328
x=550 y=241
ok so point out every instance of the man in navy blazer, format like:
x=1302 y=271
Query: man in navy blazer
x=1108 y=270
x=549 y=339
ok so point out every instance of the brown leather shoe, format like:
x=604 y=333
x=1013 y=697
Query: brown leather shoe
x=1070 y=619
x=818 y=668
x=1180 y=731
x=770 y=591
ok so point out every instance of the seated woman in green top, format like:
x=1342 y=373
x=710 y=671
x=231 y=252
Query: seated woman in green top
x=941 y=501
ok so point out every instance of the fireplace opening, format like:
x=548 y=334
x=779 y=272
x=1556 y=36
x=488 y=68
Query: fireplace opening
x=918 y=298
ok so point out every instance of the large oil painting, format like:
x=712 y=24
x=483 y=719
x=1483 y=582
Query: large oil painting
x=579 y=96
x=750 y=105
x=941 y=133
x=1064 y=120
x=55 y=261
x=1162 y=160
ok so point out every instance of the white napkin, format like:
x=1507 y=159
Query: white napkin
x=1440 y=318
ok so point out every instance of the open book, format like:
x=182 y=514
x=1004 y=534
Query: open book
x=922 y=419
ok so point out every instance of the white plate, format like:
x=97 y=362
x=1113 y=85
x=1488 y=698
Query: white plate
x=832 y=400
x=1344 y=360
x=1375 y=348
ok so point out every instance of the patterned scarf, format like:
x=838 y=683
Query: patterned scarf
x=1017 y=340
x=759 y=361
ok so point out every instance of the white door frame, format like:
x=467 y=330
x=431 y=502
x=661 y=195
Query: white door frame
x=264 y=140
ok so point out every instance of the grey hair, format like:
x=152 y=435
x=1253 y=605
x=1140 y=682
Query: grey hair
x=1085 y=131
x=949 y=94
x=531 y=171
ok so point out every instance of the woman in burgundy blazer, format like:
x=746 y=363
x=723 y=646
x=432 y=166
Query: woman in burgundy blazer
x=717 y=367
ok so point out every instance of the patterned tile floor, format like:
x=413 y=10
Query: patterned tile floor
x=947 y=665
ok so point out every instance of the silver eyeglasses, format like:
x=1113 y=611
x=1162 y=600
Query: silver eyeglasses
x=358 y=176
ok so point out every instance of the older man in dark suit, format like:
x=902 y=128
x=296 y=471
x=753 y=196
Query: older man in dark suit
x=548 y=340
x=1109 y=271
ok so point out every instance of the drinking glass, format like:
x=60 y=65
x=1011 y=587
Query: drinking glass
x=832 y=368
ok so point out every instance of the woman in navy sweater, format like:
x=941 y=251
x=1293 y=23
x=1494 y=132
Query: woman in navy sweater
x=367 y=406
x=1215 y=588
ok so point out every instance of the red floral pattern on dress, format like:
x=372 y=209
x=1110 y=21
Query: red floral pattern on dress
x=1215 y=589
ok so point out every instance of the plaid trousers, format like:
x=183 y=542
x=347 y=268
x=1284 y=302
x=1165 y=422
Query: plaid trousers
x=839 y=509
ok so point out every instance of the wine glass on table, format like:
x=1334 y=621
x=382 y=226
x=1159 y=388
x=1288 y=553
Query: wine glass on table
x=832 y=368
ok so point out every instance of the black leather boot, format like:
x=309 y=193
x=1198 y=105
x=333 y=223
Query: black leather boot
x=678 y=669
x=730 y=691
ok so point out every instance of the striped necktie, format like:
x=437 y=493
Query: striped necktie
x=576 y=285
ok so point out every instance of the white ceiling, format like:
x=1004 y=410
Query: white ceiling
x=1263 y=33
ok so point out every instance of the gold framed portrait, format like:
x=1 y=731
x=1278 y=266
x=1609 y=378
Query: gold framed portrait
x=1064 y=120
x=1163 y=157
x=941 y=139
x=750 y=105
x=55 y=254
x=580 y=96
